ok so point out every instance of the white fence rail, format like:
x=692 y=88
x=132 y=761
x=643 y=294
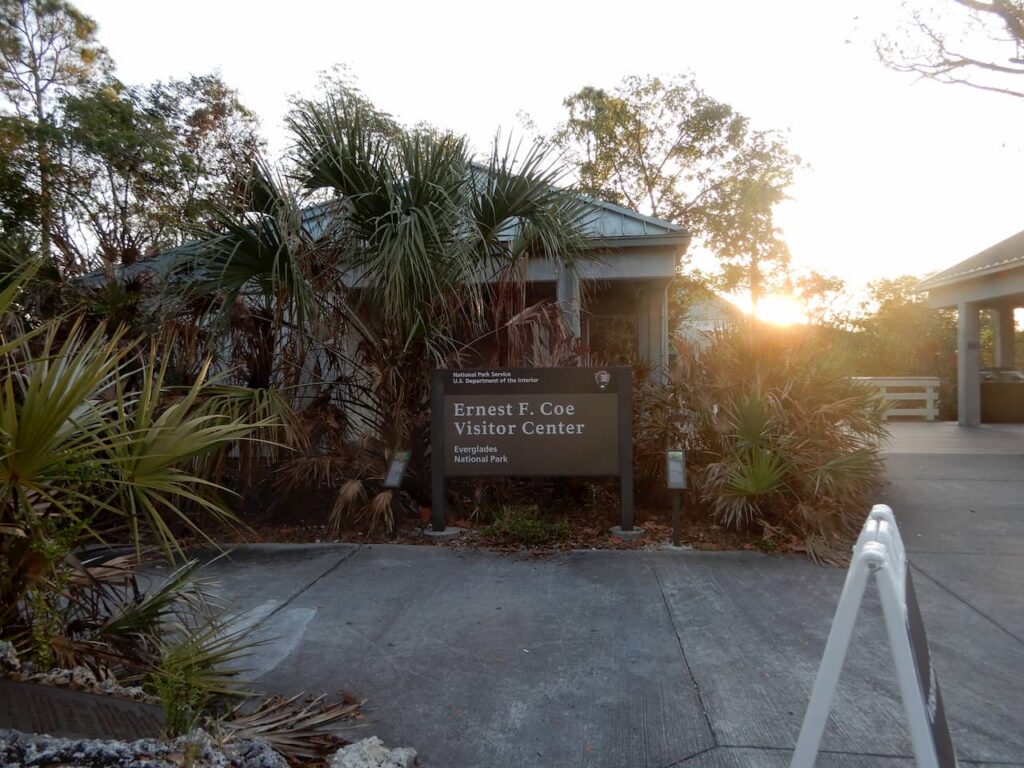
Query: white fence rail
x=909 y=396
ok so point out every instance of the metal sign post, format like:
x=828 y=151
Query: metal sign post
x=438 y=498
x=675 y=480
x=880 y=551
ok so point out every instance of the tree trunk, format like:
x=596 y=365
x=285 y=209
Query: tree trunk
x=45 y=199
x=755 y=281
x=45 y=178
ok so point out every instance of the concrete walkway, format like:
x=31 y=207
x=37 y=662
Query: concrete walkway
x=654 y=658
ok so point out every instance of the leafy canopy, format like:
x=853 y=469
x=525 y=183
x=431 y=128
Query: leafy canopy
x=97 y=172
x=665 y=148
x=46 y=46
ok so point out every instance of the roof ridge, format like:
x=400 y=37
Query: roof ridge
x=995 y=258
x=630 y=212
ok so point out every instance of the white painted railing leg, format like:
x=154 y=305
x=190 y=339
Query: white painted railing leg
x=816 y=719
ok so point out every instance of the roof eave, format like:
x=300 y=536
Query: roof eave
x=680 y=240
x=940 y=282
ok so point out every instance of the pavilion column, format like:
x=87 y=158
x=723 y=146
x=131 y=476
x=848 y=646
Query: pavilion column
x=968 y=366
x=1003 y=341
x=567 y=292
x=652 y=326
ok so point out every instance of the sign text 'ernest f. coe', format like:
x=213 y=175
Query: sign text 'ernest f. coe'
x=533 y=421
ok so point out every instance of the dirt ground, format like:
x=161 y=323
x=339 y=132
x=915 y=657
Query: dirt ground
x=587 y=530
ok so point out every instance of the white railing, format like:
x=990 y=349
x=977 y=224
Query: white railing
x=910 y=396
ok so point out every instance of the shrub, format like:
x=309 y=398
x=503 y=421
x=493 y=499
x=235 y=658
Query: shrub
x=96 y=449
x=523 y=525
x=198 y=668
x=780 y=438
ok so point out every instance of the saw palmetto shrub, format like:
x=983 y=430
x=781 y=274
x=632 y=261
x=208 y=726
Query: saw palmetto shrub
x=96 y=451
x=780 y=438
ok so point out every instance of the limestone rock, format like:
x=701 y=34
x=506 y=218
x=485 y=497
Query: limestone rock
x=251 y=753
x=371 y=753
x=8 y=658
x=76 y=678
x=196 y=748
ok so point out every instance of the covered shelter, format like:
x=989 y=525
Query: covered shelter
x=625 y=285
x=990 y=280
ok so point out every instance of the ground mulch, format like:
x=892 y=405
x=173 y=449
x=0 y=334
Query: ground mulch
x=584 y=533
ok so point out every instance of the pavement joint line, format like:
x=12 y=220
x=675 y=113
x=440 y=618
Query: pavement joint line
x=964 y=601
x=976 y=553
x=843 y=752
x=847 y=753
x=688 y=758
x=682 y=652
x=298 y=592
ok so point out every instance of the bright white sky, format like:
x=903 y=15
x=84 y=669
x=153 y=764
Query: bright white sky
x=905 y=177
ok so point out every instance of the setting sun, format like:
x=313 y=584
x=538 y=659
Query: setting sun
x=778 y=309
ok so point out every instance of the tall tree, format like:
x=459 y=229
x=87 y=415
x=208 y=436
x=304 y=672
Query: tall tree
x=217 y=137
x=821 y=295
x=18 y=198
x=142 y=166
x=47 y=47
x=977 y=43
x=667 y=149
x=899 y=334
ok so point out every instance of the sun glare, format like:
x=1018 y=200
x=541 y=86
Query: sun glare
x=779 y=309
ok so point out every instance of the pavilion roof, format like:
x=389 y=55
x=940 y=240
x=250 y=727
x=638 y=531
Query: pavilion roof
x=1004 y=255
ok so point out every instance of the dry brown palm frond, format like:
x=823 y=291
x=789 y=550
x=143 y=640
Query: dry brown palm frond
x=118 y=570
x=828 y=550
x=187 y=343
x=311 y=471
x=770 y=532
x=348 y=504
x=300 y=728
x=379 y=513
x=323 y=423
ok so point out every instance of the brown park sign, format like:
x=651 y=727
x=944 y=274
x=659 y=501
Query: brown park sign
x=532 y=421
x=573 y=422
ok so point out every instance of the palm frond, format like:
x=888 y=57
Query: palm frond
x=153 y=447
x=348 y=504
x=301 y=728
x=198 y=664
x=179 y=597
x=267 y=252
x=526 y=195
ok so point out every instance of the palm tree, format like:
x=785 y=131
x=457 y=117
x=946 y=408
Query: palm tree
x=392 y=257
x=427 y=230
